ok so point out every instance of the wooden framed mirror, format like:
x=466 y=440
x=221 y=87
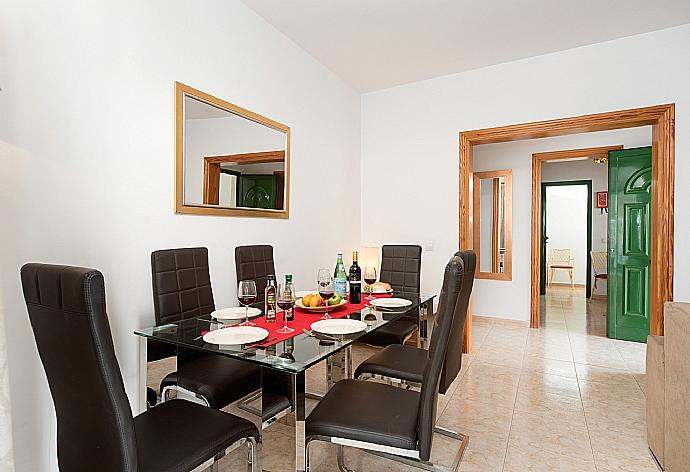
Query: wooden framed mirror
x=493 y=224
x=229 y=161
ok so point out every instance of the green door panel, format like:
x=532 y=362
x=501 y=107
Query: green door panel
x=630 y=177
x=256 y=191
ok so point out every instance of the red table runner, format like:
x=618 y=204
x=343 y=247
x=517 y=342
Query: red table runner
x=303 y=320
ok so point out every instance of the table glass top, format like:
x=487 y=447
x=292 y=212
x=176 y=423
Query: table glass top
x=293 y=355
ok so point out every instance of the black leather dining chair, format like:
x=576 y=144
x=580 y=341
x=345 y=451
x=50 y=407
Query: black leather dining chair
x=401 y=268
x=386 y=420
x=182 y=290
x=255 y=263
x=407 y=362
x=96 y=429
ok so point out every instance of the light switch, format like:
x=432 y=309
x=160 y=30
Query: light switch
x=429 y=246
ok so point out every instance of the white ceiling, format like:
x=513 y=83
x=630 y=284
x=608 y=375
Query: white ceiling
x=375 y=44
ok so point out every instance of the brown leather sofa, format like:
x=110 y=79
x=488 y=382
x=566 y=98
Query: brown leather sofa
x=668 y=388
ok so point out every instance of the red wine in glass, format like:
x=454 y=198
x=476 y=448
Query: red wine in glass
x=246 y=294
x=247 y=300
x=286 y=301
x=287 y=306
x=370 y=281
x=326 y=294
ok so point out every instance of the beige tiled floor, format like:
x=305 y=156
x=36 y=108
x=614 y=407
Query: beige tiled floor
x=561 y=398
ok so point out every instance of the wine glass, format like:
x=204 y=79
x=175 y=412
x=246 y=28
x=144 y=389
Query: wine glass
x=370 y=279
x=246 y=294
x=325 y=284
x=286 y=301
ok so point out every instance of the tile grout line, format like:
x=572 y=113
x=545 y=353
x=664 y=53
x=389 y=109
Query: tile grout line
x=582 y=403
x=512 y=416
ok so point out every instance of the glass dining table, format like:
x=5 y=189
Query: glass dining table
x=288 y=359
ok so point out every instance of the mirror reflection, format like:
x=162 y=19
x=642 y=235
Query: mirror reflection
x=492 y=222
x=232 y=159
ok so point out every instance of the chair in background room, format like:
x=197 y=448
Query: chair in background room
x=95 y=426
x=600 y=266
x=255 y=263
x=401 y=268
x=182 y=290
x=561 y=260
x=392 y=422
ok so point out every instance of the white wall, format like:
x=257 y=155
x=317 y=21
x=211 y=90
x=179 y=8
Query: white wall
x=510 y=299
x=416 y=127
x=566 y=227
x=87 y=161
x=220 y=136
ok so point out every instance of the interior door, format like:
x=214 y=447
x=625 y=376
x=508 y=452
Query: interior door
x=544 y=240
x=630 y=187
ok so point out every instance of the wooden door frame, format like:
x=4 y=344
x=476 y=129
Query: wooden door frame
x=662 y=120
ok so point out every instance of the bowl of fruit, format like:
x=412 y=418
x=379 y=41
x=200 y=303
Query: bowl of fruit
x=314 y=302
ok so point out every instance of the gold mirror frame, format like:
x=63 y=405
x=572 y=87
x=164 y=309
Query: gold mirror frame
x=182 y=90
x=507 y=273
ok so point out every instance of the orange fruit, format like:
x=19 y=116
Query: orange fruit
x=314 y=302
x=306 y=299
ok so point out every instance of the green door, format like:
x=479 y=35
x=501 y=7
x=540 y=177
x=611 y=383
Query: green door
x=256 y=191
x=544 y=240
x=630 y=187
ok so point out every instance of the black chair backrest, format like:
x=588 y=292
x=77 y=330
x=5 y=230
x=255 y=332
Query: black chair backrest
x=181 y=284
x=255 y=263
x=453 y=362
x=452 y=283
x=66 y=308
x=401 y=267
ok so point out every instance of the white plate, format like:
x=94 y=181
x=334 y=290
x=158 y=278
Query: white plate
x=236 y=335
x=319 y=309
x=379 y=292
x=234 y=313
x=391 y=302
x=338 y=326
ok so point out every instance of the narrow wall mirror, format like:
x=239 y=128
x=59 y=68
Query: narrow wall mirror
x=229 y=161
x=493 y=224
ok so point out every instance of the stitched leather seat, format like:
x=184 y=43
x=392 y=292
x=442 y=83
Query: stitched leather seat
x=407 y=362
x=96 y=429
x=395 y=332
x=401 y=268
x=386 y=415
x=255 y=263
x=396 y=361
x=367 y=411
x=220 y=382
x=164 y=442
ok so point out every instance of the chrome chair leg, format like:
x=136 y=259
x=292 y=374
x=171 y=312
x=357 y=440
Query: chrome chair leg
x=254 y=455
x=341 y=460
x=449 y=433
x=306 y=456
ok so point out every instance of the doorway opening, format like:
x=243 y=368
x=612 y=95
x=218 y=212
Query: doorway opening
x=566 y=262
x=566 y=234
x=661 y=118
